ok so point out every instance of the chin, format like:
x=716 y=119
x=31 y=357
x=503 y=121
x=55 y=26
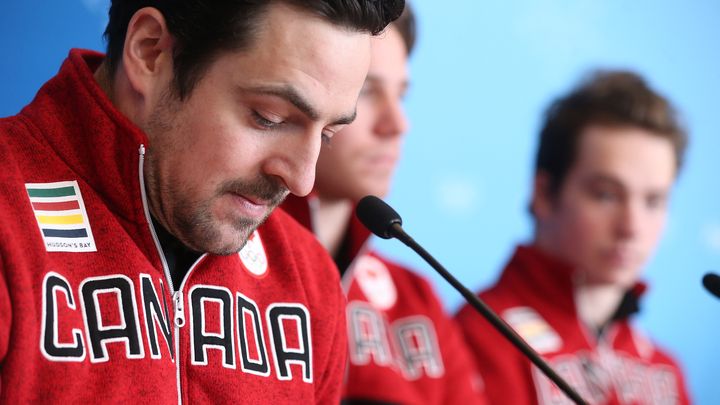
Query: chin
x=226 y=249
x=381 y=191
x=225 y=240
x=619 y=276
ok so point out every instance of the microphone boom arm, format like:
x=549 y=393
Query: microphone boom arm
x=396 y=230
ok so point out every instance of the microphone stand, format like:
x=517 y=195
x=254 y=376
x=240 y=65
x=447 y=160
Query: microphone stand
x=397 y=231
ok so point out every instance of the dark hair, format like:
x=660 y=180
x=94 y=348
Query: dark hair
x=407 y=27
x=613 y=98
x=204 y=28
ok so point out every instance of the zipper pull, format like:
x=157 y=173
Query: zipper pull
x=179 y=309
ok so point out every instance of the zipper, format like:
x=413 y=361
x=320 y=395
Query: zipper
x=166 y=270
x=179 y=318
x=177 y=295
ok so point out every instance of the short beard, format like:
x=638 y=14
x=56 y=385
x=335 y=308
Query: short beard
x=197 y=228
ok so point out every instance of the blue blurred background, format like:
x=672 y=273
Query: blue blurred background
x=483 y=72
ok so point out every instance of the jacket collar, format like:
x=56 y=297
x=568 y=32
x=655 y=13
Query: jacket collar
x=77 y=120
x=541 y=277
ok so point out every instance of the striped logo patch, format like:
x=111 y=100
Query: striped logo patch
x=61 y=216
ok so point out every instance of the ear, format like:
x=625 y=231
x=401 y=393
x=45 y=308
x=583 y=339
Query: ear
x=147 y=54
x=542 y=198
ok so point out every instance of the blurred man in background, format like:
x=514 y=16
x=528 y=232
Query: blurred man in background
x=608 y=156
x=403 y=348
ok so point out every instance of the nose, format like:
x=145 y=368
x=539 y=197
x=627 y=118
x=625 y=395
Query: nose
x=629 y=220
x=392 y=120
x=294 y=163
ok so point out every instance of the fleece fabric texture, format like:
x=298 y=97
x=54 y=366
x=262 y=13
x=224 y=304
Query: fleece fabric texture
x=403 y=348
x=85 y=320
x=535 y=296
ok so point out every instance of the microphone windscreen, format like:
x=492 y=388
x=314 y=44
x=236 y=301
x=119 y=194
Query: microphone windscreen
x=712 y=283
x=377 y=216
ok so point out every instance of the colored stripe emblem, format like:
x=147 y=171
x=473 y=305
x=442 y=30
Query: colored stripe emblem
x=60 y=214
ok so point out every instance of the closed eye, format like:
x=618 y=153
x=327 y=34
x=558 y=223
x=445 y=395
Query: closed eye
x=605 y=196
x=656 y=201
x=266 y=121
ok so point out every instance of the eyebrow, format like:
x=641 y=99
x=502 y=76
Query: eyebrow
x=602 y=177
x=373 y=78
x=290 y=94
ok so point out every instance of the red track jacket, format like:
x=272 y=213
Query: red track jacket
x=87 y=310
x=535 y=296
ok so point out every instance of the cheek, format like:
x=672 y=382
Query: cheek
x=335 y=175
x=213 y=154
x=200 y=145
x=343 y=152
x=653 y=230
x=583 y=231
x=330 y=162
x=353 y=138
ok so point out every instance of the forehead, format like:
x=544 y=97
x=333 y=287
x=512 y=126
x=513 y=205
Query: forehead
x=632 y=156
x=323 y=62
x=389 y=53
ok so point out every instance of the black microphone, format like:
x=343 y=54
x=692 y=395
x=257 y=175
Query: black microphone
x=379 y=217
x=711 y=282
x=385 y=222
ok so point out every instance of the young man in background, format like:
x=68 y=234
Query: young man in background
x=608 y=156
x=404 y=349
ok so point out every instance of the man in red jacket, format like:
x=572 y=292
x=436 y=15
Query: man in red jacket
x=404 y=349
x=608 y=156
x=134 y=265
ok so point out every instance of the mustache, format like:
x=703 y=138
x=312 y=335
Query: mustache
x=265 y=188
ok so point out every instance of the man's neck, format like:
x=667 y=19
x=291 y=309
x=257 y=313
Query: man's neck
x=330 y=223
x=597 y=304
x=102 y=77
x=179 y=257
x=118 y=89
